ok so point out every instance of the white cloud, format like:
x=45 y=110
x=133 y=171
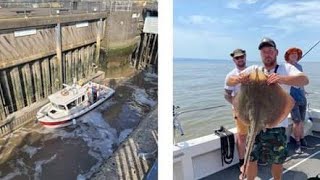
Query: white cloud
x=293 y=16
x=279 y=10
x=196 y=19
x=235 y=4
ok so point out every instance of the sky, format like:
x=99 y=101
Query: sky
x=212 y=29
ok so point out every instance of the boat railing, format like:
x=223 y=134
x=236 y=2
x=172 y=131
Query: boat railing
x=308 y=94
x=177 y=123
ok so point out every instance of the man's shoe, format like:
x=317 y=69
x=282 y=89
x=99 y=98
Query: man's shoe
x=305 y=145
x=298 y=150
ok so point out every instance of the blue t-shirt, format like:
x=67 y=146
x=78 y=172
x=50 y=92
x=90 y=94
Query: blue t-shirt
x=298 y=92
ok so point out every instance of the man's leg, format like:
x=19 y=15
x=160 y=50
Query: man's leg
x=297 y=130
x=242 y=131
x=279 y=152
x=276 y=170
x=303 y=141
x=241 y=145
x=252 y=170
x=297 y=127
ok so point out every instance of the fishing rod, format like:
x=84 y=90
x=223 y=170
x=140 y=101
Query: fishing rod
x=310 y=49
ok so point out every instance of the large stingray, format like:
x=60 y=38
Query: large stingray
x=261 y=106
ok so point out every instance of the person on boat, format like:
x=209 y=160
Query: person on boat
x=298 y=113
x=271 y=144
x=239 y=59
x=94 y=93
x=90 y=93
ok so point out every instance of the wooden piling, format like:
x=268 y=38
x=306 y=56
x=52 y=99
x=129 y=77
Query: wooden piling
x=69 y=69
x=2 y=111
x=75 y=62
x=146 y=52
x=98 y=42
x=89 y=61
x=7 y=92
x=93 y=48
x=17 y=88
x=54 y=74
x=83 y=62
x=26 y=76
x=59 y=52
x=67 y=65
x=152 y=50
x=45 y=77
x=141 y=49
x=72 y=65
x=78 y=65
x=37 y=80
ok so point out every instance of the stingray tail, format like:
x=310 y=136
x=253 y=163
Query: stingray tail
x=250 y=141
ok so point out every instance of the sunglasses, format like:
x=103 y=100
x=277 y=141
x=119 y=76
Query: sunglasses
x=239 y=57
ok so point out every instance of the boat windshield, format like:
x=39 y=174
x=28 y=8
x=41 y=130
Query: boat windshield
x=61 y=107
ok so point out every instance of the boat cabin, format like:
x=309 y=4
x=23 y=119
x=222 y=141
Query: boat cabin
x=68 y=98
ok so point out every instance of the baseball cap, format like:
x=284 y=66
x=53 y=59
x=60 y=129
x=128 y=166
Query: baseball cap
x=237 y=53
x=267 y=42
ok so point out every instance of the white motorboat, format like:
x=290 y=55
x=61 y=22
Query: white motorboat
x=72 y=102
x=200 y=158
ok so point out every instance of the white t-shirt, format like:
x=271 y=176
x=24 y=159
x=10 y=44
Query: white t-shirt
x=283 y=69
x=235 y=88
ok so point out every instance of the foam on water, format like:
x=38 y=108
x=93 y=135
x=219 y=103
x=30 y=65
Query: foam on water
x=151 y=75
x=142 y=98
x=11 y=175
x=39 y=164
x=30 y=150
x=99 y=135
x=151 y=78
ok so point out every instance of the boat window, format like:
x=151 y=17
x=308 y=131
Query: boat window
x=72 y=105
x=61 y=107
x=79 y=100
x=83 y=98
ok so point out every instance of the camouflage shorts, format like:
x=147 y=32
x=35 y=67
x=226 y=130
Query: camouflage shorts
x=270 y=146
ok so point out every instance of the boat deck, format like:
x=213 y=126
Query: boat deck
x=296 y=167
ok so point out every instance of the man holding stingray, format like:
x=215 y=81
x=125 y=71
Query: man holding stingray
x=270 y=144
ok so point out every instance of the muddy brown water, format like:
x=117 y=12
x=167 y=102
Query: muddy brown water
x=77 y=151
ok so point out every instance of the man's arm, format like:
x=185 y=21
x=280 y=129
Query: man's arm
x=227 y=95
x=296 y=80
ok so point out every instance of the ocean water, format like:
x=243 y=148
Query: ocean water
x=199 y=83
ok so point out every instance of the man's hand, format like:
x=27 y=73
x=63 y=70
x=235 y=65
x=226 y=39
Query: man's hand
x=236 y=79
x=273 y=78
x=243 y=78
